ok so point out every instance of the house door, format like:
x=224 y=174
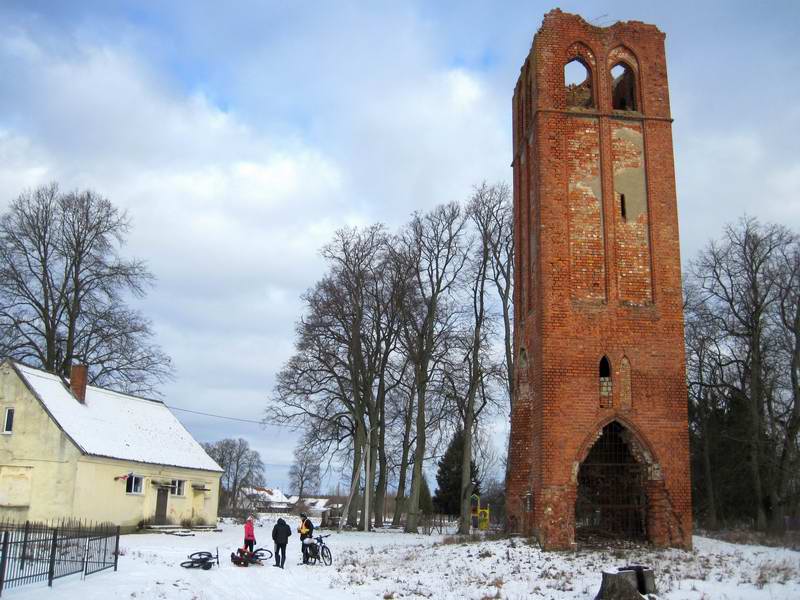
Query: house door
x=161 y=506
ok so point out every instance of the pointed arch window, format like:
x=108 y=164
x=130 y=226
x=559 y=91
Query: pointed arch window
x=605 y=383
x=623 y=87
x=578 y=84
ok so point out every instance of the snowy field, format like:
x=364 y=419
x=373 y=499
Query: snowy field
x=393 y=565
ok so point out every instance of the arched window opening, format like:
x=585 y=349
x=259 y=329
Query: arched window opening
x=611 y=500
x=578 y=84
x=605 y=383
x=623 y=87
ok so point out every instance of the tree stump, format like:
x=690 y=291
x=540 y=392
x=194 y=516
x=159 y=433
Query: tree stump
x=633 y=582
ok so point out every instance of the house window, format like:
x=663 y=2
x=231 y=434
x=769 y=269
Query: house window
x=8 y=421
x=133 y=484
x=176 y=488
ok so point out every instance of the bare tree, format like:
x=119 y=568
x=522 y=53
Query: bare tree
x=386 y=344
x=737 y=280
x=342 y=372
x=404 y=414
x=63 y=286
x=472 y=357
x=431 y=250
x=499 y=227
x=241 y=466
x=787 y=319
x=705 y=371
x=304 y=474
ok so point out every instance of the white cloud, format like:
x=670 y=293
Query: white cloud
x=723 y=175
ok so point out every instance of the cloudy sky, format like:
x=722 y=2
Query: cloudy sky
x=240 y=135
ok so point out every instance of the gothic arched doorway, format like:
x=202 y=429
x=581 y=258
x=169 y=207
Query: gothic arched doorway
x=611 y=500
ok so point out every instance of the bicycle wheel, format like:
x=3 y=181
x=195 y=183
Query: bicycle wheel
x=262 y=553
x=190 y=564
x=326 y=556
x=199 y=555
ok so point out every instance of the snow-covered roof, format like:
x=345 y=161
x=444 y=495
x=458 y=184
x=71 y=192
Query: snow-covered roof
x=271 y=495
x=118 y=425
x=320 y=504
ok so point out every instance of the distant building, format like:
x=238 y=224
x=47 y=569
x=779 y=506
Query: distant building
x=68 y=450
x=323 y=508
x=262 y=499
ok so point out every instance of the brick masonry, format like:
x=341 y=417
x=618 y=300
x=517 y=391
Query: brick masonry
x=597 y=274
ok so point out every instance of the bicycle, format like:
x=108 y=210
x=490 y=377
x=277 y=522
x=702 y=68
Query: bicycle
x=201 y=560
x=262 y=554
x=320 y=551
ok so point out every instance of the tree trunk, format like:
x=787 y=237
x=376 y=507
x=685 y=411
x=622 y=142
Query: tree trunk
x=755 y=431
x=400 y=501
x=412 y=517
x=789 y=450
x=369 y=483
x=465 y=523
x=380 y=491
x=352 y=507
x=349 y=505
x=709 y=483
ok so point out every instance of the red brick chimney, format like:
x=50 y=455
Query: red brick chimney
x=77 y=381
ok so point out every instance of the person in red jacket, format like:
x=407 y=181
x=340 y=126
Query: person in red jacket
x=249 y=534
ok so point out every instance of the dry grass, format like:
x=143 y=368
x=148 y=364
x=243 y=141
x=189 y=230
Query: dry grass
x=789 y=539
x=778 y=571
x=472 y=538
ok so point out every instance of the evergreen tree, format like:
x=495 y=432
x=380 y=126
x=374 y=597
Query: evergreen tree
x=425 y=501
x=448 y=495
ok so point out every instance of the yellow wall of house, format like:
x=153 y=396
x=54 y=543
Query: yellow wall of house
x=43 y=476
x=101 y=495
x=37 y=461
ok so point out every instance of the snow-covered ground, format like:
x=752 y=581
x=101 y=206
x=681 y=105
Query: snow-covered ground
x=394 y=565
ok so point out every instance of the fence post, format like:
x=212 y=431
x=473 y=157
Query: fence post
x=4 y=560
x=52 y=570
x=85 y=557
x=116 y=550
x=24 y=545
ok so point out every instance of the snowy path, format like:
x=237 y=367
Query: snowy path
x=393 y=566
x=150 y=568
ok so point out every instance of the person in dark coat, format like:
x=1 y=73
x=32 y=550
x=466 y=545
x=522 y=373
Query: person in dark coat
x=306 y=531
x=280 y=535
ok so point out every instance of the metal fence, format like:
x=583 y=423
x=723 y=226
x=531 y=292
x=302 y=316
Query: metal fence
x=36 y=552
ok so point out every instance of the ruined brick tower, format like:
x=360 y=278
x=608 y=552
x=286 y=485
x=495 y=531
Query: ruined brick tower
x=599 y=437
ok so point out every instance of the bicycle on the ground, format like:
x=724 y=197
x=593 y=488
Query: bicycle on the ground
x=201 y=560
x=262 y=554
x=320 y=551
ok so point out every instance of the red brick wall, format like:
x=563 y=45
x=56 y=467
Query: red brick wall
x=584 y=197
x=591 y=283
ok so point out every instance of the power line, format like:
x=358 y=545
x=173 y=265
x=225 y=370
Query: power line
x=197 y=412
